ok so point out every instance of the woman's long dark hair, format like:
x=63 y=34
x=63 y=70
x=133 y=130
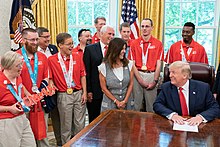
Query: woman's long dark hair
x=113 y=52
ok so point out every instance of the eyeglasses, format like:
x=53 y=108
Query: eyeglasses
x=69 y=44
x=46 y=36
x=20 y=65
x=32 y=40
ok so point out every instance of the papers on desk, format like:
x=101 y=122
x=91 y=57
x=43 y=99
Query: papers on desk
x=185 y=127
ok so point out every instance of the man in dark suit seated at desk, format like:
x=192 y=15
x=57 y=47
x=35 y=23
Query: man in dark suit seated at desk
x=185 y=97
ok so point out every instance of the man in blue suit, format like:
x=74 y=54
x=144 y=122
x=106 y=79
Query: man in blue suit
x=185 y=97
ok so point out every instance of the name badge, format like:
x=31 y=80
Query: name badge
x=194 y=52
x=152 y=47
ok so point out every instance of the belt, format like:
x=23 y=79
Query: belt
x=75 y=90
x=146 y=71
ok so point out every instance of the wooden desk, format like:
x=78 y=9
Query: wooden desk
x=119 y=128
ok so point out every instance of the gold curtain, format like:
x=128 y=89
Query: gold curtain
x=51 y=14
x=153 y=9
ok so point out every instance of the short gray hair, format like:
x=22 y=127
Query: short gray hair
x=184 y=66
x=104 y=28
x=97 y=19
x=9 y=58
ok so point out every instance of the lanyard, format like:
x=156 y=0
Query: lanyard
x=33 y=75
x=144 y=57
x=127 y=51
x=68 y=76
x=18 y=96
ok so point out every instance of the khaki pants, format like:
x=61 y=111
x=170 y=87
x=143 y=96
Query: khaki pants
x=139 y=93
x=71 y=111
x=16 y=132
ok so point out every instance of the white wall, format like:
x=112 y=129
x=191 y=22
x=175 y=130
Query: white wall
x=5 y=12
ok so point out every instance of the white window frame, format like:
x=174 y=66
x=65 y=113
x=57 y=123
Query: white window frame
x=215 y=27
x=112 y=18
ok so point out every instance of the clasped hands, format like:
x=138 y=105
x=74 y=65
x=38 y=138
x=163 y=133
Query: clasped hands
x=148 y=85
x=120 y=104
x=197 y=120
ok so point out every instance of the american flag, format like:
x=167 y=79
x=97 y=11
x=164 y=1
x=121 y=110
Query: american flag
x=129 y=14
x=21 y=17
x=17 y=36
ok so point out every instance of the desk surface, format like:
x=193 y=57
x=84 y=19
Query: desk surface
x=120 y=128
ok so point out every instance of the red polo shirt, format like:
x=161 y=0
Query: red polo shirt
x=56 y=73
x=79 y=50
x=155 y=52
x=129 y=52
x=42 y=71
x=95 y=38
x=6 y=97
x=129 y=42
x=197 y=54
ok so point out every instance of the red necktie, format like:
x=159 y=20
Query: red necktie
x=183 y=102
x=105 y=51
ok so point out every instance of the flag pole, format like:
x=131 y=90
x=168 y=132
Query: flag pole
x=20 y=12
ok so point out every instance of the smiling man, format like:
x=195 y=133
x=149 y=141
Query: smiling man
x=92 y=58
x=48 y=49
x=85 y=38
x=147 y=52
x=187 y=49
x=44 y=45
x=185 y=97
x=35 y=68
x=67 y=71
x=99 y=22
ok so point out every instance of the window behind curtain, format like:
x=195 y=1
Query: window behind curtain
x=203 y=13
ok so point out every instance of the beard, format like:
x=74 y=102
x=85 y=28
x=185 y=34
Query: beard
x=30 y=48
x=88 y=41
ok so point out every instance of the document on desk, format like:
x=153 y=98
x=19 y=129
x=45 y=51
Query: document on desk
x=185 y=127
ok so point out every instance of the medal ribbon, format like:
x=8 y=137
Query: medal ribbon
x=127 y=51
x=185 y=54
x=18 y=96
x=144 y=57
x=68 y=76
x=33 y=75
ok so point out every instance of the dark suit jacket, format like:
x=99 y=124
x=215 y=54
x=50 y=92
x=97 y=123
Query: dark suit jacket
x=53 y=49
x=92 y=59
x=216 y=86
x=201 y=100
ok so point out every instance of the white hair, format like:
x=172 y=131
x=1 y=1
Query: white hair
x=105 y=27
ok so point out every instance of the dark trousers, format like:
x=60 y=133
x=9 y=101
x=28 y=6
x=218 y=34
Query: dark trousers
x=218 y=98
x=94 y=109
x=55 y=117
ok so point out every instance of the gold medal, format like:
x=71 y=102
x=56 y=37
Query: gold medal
x=144 y=67
x=69 y=91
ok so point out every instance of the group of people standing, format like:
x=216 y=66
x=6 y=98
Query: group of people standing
x=102 y=72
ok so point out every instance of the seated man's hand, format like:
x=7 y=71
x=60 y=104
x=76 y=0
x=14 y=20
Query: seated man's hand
x=195 y=120
x=178 y=119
